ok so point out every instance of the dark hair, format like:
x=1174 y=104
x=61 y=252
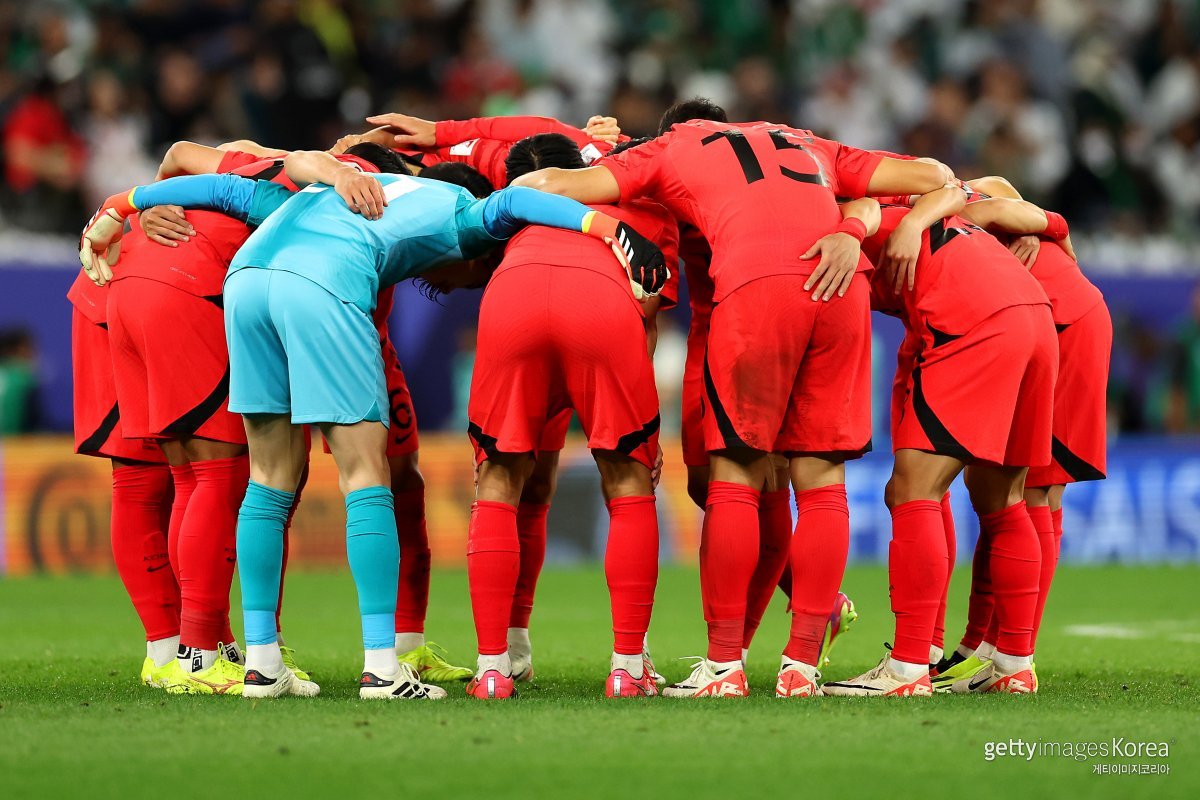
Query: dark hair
x=542 y=150
x=696 y=108
x=623 y=146
x=462 y=175
x=385 y=160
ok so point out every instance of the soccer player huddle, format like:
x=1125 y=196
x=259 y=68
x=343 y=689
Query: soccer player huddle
x=240 y=302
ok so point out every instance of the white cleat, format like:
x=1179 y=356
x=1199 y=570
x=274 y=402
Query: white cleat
x=712 y=679
x=648 y=665
x=991 y=680
x=520 y=654
x=880 y=682
x=258 y=684
x=401 y=685
x=797 y=679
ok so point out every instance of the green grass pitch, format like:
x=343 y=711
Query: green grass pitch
x=74 y=722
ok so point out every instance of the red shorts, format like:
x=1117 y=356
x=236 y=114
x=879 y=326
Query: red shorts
x=98 y=430
x=171 y=363
x=788 y=375
x=1079 y=447
x=558 y=338
x=985 y=395
x=691 y=424
x=402 y=429
x=554 y=434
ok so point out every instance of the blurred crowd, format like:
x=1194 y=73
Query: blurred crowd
x=1091 y=107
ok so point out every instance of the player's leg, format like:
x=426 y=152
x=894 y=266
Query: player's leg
x=1014 y=565
x=1037 y=503
x=937 y=649
x=775 y=535
x=630 y=568
x=493 y=564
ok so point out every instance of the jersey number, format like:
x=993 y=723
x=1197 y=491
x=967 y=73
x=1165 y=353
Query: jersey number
x=752 y=169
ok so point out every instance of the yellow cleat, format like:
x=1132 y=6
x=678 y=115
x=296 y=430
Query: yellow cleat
x=223 y=677
x=156 y=677
x=430 y=665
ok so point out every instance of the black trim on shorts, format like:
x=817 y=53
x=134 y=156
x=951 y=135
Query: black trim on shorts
x=724 y=424
x=941 y=337
x=486 y=443
x=1059 y=328
x=1074 y=466
x=189 y=423
x=943 y=441
x=632 y=441
x=217 y=300
x=93 y=443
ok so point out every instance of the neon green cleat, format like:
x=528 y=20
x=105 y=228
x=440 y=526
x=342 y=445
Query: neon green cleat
x=430 y=664
x=840 y=619
x=289 y=661
x=223 y=677
x=956 y=668
x=156 y=677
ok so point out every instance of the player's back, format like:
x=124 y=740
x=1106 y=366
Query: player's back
x=557 y=247
x=758 y=195
x=963 y=275
x=1070 y=293
x=316 y=236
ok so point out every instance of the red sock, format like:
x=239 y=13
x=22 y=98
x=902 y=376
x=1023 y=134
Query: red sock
x=412 y=596
x=531 y=530
x=785 y=583
x=774 y=537
x=980 y=604
x=819 y=549
x=1015 y=567
x=728 y=555
x=631 y=567
x=916 y=571
x=287 y=530
x=139 y=544
x=1043 y=523
x=184 y=482
x=1056 y=518
x=493 y=561
x=939 y=624
x=208 y=549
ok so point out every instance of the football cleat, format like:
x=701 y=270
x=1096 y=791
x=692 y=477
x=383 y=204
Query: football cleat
x=430 y=664
x=712 y=679
x=404 y=685
x=156 y=677
x=223 y=677
x=991 y=680
x=797 y=680
x=289 y=660
x=956 y=668
x=492 y=685
x=622 y=684
x=880 y=682
x=258 y=684
x=520 y=653
x=840 y=620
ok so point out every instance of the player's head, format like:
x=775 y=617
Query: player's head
x=383 y=159
x=462 y=175
x=696 y=108
x=473 y=274
x=540 y=151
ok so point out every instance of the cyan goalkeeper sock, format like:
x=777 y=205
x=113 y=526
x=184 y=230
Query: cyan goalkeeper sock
x=373 y=550
x=260 y=558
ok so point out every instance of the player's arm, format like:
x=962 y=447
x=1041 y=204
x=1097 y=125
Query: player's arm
x=895 y=176
x=590 y=185
x=253 y=148
x=995 y=186
x=507 y=211
x=898 y=259
x=841 y=250
x=1023 y=219
x=189 y=158
x=362 y=193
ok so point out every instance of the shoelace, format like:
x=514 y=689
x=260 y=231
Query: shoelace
x=699 y=665
x=409 y=674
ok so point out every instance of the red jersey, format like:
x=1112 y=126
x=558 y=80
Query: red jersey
x=198 y=265
x=1071 y=294
x=484 y=142
x=541 y=245
x=90 y=299
x=760 y=193
x=963 y=276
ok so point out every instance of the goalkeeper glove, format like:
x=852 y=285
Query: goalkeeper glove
x=99 y=244
x=640 y=257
